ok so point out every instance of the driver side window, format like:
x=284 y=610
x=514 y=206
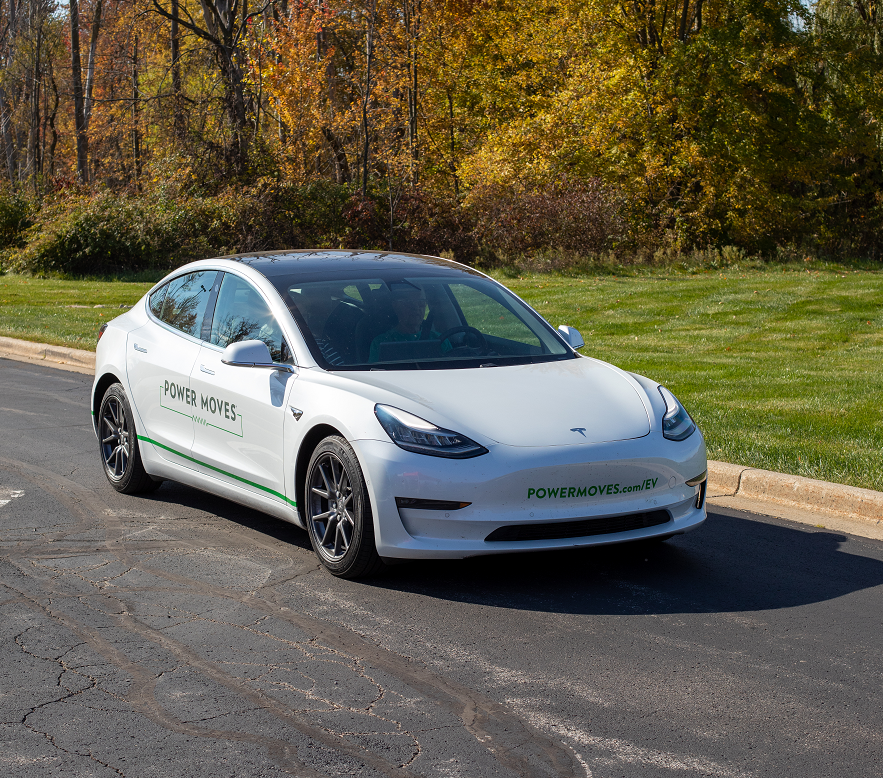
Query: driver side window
x=242 y=314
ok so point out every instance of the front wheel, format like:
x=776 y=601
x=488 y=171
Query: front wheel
x=118 y=444
x=338 y=512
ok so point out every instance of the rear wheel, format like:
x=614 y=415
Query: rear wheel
x=338 y=512
x=118 y=444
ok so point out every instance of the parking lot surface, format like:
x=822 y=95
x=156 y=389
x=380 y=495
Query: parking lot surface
x=183 y=635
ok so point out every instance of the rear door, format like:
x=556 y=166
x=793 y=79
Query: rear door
x=159 y=359
x=240 y=411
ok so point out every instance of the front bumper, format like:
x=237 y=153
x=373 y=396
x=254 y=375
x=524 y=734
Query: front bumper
x=528 y=486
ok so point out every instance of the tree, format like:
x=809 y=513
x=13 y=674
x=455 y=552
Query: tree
x=82 y=139
x=225 y=25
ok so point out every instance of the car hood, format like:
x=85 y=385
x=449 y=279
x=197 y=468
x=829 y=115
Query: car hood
x=541 y=404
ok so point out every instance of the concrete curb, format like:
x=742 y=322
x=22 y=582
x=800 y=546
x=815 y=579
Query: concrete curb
x=793 y=497
x=73 y=359
x=859 y=511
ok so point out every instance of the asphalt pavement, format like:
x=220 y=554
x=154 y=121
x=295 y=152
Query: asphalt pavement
x=183 y=635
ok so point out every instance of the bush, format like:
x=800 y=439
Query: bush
x=85 y=235
x=410 y=220
x=15 y=217
x=113 y=234
x=110 y=234
x=573 y=217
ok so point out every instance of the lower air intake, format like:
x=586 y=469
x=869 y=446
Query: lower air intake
x=581 y=528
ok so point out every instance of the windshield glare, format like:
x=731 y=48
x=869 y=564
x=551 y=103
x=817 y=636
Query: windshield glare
x=417 y=322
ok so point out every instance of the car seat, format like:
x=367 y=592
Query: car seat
x=379 y=317
x=341 y=328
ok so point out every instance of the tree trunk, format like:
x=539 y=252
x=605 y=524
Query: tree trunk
x=50 y=117
x=90 y=66
x=6 y=110
x=79 y=113
x=369 y=56
x=341 y=165
x=176 y=74
x=453 y=147
x=412 y=9
x=136 y=135
x=34 y=162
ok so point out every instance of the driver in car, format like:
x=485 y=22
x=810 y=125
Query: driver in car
x=409 y=306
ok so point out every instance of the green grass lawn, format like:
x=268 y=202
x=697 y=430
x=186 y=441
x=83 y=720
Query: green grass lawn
x=40 y=309
x=782 y=370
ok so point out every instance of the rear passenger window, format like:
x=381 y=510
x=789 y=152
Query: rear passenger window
x=185 y=301
x=242 y=314
x=156 y=300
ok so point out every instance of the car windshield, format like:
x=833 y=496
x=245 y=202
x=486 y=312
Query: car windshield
x=417 y=322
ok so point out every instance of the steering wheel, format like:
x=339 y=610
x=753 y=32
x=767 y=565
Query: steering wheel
x=478 y=341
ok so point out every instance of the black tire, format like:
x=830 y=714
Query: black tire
x=118 y=445
x=337 y=511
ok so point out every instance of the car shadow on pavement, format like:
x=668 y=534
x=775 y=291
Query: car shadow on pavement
x=729 y=564
x=179 y=495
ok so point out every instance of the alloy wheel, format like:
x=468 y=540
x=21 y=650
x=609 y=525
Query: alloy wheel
x=115 y=438
x=330 y=504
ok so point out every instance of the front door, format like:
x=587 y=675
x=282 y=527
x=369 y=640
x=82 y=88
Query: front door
x=240 y=410
x=159 y=360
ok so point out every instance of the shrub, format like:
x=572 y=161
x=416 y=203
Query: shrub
x=109 y=234
x=15 y=217
x=96 y=235
x=573 y=217
x=410 y=220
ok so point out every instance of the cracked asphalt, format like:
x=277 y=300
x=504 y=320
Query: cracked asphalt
x=184 y=635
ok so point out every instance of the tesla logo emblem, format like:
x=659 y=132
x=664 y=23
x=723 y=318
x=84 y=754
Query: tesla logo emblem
x=580 y=430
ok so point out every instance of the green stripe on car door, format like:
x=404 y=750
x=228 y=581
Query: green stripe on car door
x=189 y=458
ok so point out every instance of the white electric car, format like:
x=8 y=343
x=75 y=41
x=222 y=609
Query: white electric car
x=394 y=406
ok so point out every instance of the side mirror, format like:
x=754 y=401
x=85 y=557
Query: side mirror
x=252 y=353
x=572 y=336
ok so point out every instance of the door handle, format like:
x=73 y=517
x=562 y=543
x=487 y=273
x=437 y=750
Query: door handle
x=139 y=348
x=206 y=370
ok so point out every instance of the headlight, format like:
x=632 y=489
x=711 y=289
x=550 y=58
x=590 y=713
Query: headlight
x=420 y=436
x=676 y=423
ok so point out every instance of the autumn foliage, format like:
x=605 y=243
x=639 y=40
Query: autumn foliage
x=488 y=129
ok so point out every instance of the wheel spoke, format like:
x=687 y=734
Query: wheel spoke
x=322 y=516
x=327 y=531
x=322 y=494
x=344 y=540
x=325 y=477
x=337 y=539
